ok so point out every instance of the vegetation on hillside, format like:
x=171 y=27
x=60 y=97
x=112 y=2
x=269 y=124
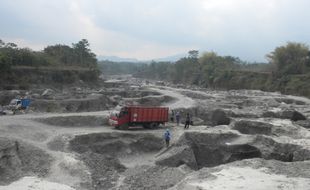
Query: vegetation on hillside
x=294 y=58
x=207 y=70
x=78 y=55
x=56 y=63
x=288 y=71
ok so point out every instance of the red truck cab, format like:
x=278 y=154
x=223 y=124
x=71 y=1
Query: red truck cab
x=148 y=117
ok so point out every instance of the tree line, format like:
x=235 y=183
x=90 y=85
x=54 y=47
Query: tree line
x=287 y=70
x=78 y=56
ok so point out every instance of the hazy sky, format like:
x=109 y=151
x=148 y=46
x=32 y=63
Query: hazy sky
x=147 y=29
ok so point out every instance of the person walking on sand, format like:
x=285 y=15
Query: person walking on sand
x=177 y=117
x=167 y=137
x=187 y=121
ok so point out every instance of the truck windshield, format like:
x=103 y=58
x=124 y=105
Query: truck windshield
x=122 y=113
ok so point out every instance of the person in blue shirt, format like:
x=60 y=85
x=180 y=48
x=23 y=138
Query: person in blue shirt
x=167 y=137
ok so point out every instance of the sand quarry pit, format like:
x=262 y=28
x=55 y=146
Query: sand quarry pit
x=240 y=139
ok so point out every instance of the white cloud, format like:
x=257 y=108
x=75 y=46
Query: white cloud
x=108 y=42
x=24 y=43
x=158 y=28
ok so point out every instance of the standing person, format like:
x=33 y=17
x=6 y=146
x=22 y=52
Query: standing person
x=177 y=117
x=167 y=137
x=172 y=116
x=187 y=121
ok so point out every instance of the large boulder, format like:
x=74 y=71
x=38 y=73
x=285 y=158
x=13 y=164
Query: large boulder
x=215 y=147
x=219 y=117
x=285 y=114
x=292 y=115
x=207 y=149
x=243 y=113
x=286 y=152
x=271 y=103
x=253 y=127
x=270 y=114
x=290 y=101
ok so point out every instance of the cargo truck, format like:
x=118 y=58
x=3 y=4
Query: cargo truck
x=148 y=117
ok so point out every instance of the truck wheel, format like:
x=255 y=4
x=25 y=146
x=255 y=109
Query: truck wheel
x=154 y=125
x=146 y=126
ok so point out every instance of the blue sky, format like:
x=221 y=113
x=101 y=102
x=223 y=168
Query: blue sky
x=149 y=29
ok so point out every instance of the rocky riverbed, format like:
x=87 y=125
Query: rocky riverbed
x=240 y=139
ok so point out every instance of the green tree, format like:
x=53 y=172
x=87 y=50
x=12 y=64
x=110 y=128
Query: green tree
x=62 y=54
x=5 y=64
x=216 y=68
x=193 y=54
x=79 y=54
x=84 y=54
x=293 y=58
x=1 y=43
x=11 y=45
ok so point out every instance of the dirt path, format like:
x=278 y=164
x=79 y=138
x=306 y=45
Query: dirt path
x=181 y=102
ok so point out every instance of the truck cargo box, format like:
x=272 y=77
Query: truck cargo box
x=148 y=114
x=148 y=117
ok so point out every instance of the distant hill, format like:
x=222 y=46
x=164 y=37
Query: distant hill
x=172 y=58
x=117 y=59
